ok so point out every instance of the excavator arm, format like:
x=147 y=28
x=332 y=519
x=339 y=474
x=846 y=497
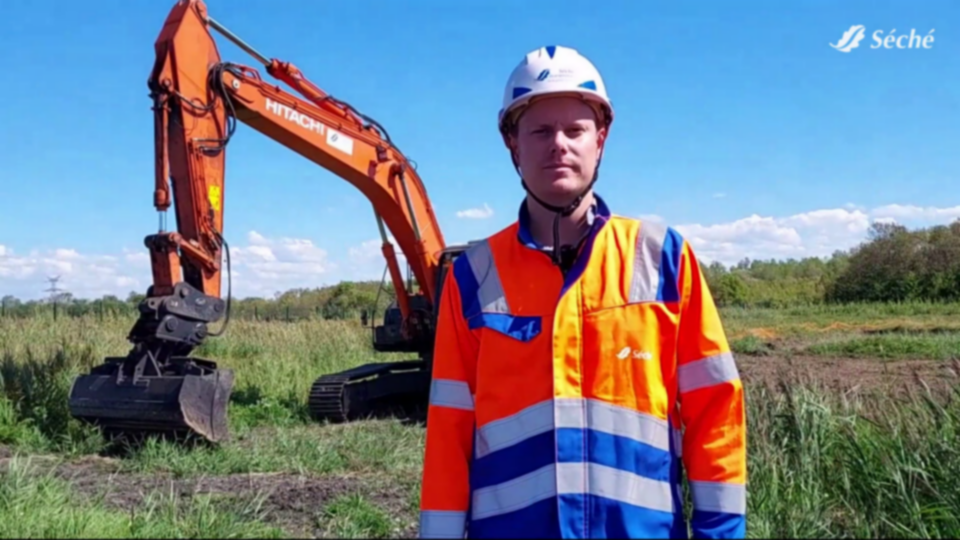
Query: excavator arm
x=197 y=100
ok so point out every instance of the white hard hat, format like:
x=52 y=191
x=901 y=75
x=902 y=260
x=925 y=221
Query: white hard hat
x=554 y=70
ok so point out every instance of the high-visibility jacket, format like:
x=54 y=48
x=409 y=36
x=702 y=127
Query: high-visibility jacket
x=566 y=406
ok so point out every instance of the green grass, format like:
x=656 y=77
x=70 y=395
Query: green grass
x=899 y=345
x=801 y=321
x=893 y=331
x=821 y=467
x=354 y=516
x=822 y=464
x=36 y=504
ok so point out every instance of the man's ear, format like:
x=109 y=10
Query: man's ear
x=601 y=141
x=511 y=141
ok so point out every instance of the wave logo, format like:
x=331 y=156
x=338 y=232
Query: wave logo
x=850 y=39
x=637 y=354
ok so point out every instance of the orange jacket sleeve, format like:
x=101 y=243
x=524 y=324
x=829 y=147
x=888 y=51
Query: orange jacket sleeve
x=712 y=410
x=445 y=489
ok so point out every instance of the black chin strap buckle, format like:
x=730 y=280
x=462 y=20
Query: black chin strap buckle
x=567 y=256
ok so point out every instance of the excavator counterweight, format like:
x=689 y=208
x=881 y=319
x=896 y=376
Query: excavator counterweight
x=160 y=386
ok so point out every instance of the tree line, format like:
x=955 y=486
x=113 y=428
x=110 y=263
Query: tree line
x=345 y=300
x=893 y=264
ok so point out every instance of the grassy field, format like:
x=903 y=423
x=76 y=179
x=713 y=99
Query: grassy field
x=853 y=418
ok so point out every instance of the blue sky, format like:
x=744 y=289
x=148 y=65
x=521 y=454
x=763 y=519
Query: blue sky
x=736 y=122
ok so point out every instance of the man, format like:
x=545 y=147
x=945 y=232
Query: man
x=570 y=385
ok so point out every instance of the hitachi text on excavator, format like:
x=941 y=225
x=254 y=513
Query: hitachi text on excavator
x=158 y=387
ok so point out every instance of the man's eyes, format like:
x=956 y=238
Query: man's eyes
x=569 y=131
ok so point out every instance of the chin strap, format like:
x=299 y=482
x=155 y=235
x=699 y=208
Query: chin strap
x=560 y=211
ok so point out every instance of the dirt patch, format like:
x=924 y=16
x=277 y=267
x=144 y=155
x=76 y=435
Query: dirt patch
x=763 y=333
x=868 y=376
x=759 y=333
x=292 y=502
x=917 y=330
x=889 y=326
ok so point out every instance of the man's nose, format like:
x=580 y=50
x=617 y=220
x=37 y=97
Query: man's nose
x=559 y=140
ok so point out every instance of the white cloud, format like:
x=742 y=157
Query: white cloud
x=817 y=233
x=476 y=213
x=25 y=275
x=911 y=212
x=266 y=265
x=260 y=268
x=366 y=261
x=263 y=266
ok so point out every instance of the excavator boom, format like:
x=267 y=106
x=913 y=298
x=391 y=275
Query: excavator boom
x=197 y=100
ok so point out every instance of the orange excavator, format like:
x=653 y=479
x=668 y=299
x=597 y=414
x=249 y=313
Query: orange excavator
x=158 y=387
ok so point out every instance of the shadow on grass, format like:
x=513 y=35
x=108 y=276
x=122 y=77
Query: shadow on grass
x=36 y=390
x=130 y=445
x=911 y=330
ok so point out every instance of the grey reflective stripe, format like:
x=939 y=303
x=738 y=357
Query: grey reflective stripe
x=719 y=497
x=500 y=434
x=450 y=393
x=615 y=484
x=572 y=413
x=572 y=478
x=646 y=262
x=707 y=372
x=490 y=292
x=514 y=494
x=442 y=524
x=615 y=420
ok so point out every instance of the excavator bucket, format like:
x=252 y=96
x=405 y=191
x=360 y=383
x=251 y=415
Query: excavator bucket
x=187 y=399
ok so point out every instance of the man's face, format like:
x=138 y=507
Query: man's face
x=558 y=145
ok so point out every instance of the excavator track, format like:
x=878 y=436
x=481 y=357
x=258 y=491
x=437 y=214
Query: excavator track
x=369 y=390
x=326 y=401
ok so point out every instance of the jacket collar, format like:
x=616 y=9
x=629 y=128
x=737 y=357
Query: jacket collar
x=597 y=215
